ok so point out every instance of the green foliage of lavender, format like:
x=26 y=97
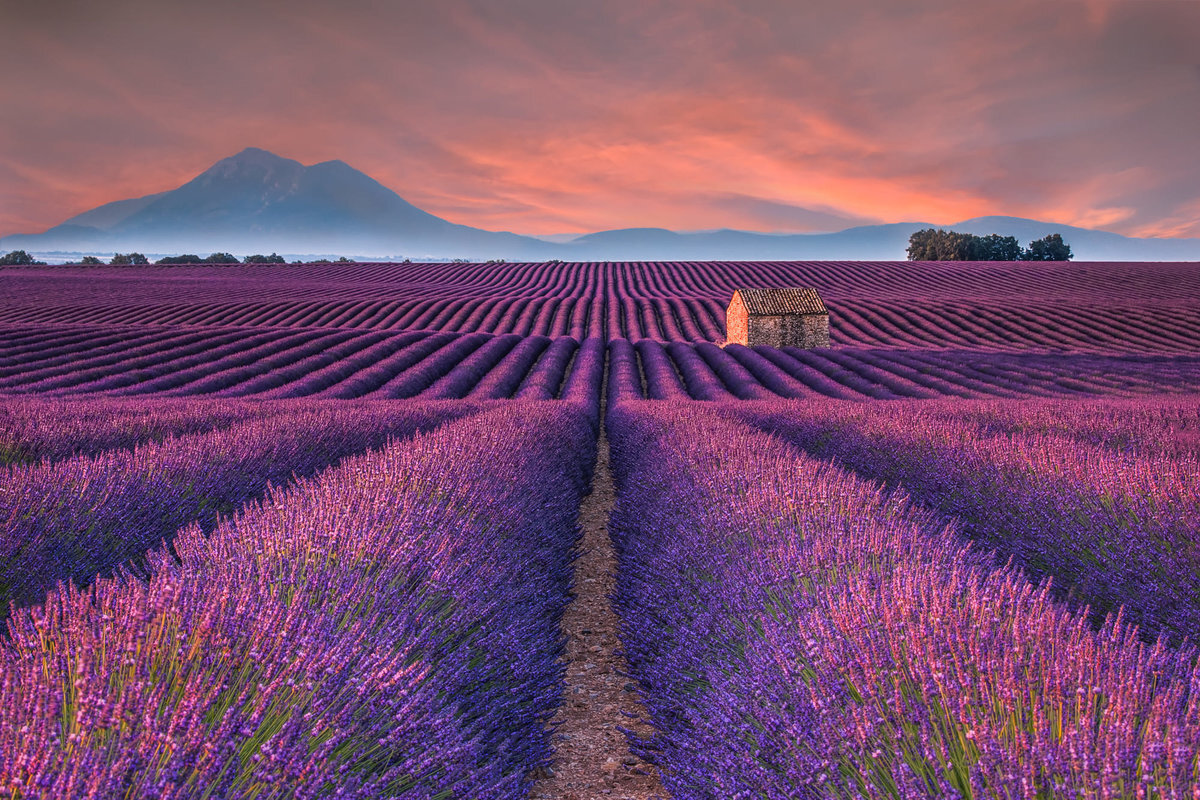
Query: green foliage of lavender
x=797 y=632
x=386 y=629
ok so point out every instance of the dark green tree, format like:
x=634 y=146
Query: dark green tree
x=940 y=245
x=20 y=258
x=90 y=261
x=1048 y=248
x=128 y=258
x=186 y=258
x=995 y=247
x=274 y=258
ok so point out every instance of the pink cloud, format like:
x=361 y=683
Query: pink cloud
x=536 y=116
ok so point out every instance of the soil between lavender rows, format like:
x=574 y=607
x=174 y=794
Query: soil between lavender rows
x=592 y=757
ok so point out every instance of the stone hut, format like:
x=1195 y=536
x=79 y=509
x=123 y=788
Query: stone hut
x=785 y=317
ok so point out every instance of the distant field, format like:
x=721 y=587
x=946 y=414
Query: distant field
x=899 y=329
x=1098 y=307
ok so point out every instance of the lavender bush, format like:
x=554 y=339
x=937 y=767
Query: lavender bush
x=799 y=633
x=73 y=519
x=1111 y=529
x=49 y=429
x=389 y=628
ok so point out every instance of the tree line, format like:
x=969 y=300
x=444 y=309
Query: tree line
x=122 y=259
x=22 y=258
x=939 y=245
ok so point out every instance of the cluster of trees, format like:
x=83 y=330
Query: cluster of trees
x=124 y=259
x=939 y=245
x=191 y=258
x=19 y=258
x=230 y=258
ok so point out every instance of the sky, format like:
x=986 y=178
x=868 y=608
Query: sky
x=555 y=116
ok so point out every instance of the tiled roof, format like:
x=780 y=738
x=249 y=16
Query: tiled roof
x=788 y=300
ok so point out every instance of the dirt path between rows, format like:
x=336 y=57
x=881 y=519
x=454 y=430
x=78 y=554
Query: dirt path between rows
x=592 y=758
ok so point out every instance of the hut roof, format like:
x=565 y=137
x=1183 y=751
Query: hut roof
x=784 y=300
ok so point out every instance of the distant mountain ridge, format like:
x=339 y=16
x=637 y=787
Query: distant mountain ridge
x=257 y=201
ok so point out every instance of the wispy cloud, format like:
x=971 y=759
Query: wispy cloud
x=534 y=115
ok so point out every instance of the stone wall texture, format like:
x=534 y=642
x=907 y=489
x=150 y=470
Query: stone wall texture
x=737 y=329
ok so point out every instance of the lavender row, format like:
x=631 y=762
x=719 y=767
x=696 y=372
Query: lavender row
x=881 y=304
x=388 y=629
x=1111 y=529
x=73 y=519
x=202 y=292
x=37 y=429
x=1160 y=426
x=543 y=380
x=703 y=371
x=798 y=633
x=585 y=379
x=281 y=363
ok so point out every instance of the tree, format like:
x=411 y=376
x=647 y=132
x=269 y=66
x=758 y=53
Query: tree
x=20 y=258
x=940 y=245
x=186 y=258
x=90 y=261
x=274 y=258
x=126 y=259
x=996 y=248
x=1048 y=248
x=220 y=258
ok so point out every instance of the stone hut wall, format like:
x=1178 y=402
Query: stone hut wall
x=792 y=330
x=737 y=329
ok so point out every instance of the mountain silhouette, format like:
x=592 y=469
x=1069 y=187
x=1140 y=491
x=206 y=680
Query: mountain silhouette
x=256 y=201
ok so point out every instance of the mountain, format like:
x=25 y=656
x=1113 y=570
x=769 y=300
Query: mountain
x=257 y=201
x=1087 y=244
x=110 y=214
x=863 y=243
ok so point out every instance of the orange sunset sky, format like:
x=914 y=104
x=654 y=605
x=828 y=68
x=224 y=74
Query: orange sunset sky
x=548 y=116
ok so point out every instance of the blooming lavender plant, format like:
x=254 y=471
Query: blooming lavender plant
x=467 y=373
x=662 y=381
x=510 y=372
x=1152 y=426
x=49 y=429
x=583 y=385
x=73 y=519
x=1111 y=529
x=799 y=633
x=388 y=628
x=544 y=378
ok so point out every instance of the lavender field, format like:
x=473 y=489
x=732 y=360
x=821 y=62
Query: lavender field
x=310 y=531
